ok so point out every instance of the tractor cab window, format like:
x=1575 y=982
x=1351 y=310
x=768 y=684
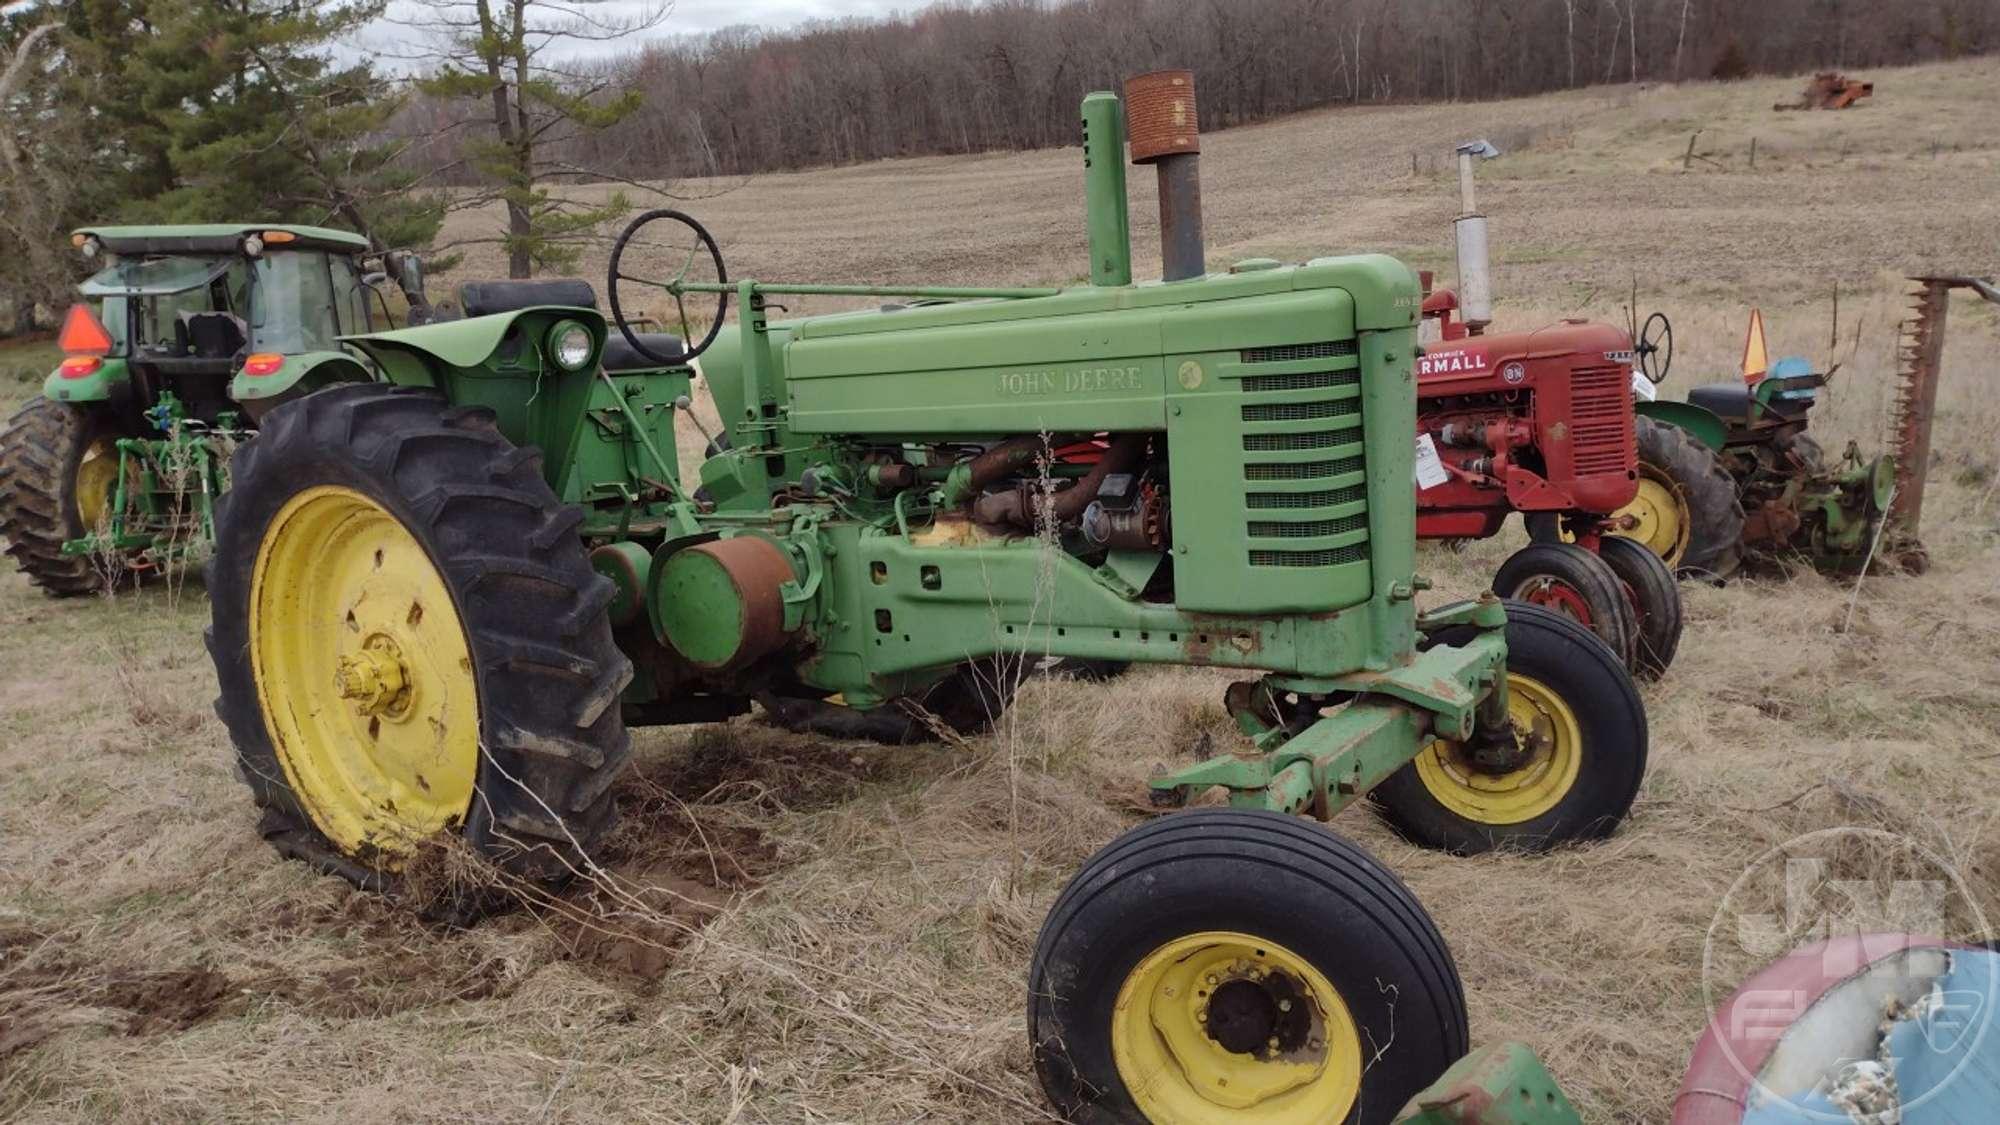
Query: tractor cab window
x=350 y=296
x=293 y=306
x=143 y=301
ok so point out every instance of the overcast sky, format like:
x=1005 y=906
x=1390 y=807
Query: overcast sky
x=695 y=16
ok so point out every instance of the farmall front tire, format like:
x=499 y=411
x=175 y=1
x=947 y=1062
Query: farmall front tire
x=1577 y=719
x=1222 y=965
x=1655 y=598
x=1687 y=511
x=1569 y=580
x=410 y=640
x=58 y=476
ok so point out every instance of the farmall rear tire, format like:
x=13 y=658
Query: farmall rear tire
x=1191 y=942
x=1656 y=601
x=1705 y=498
x=54 y=487
x=1572 y=695
x=411 y=642
x=1570 y=580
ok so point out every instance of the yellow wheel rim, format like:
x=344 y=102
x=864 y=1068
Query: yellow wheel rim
x=1658 y=515
x=1548 y=730
x=1222 y=1027
x=96 y=483
x=364 y=674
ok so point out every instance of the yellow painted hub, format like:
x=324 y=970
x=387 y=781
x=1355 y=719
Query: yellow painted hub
x=1658 y=516
x=1223 y=1027
x=1548 y=730
x=364 y=673
x=96 y=483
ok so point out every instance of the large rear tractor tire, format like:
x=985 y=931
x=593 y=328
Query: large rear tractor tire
x=411 y=642
x=1579 y=585
x=1219 y=966
x=1578 y=732
x=1687 y=510
x=58 y=477
x=1655 y=598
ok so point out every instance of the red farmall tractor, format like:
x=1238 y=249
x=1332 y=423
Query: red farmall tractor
x=1541 y=423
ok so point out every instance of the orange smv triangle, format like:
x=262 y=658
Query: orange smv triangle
x=1756 y=358
x=82 y=334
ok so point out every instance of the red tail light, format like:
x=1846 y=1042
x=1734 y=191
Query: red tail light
x=83 y=333
x=79 y=366
x=263 y=363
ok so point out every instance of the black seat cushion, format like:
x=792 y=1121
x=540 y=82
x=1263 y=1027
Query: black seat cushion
x=211 y=335
x=619 y=355
x=484 y=298
x=1724 y=400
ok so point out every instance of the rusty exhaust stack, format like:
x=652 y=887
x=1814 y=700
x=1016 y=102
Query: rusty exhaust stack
x=1161 y=122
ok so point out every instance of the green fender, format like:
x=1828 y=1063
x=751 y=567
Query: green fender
x=94 y=387
x=419 y=356
x=1702 y=423
x=307 y=371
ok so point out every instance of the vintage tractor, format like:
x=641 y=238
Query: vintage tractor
x=1541 y=423
x=441 y=598
x=185 y=335
x=1736 y=473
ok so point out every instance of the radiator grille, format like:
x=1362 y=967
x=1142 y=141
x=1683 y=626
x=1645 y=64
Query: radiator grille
x=1306 y=529
x=1324 y=498
x=1272 y=443
x=1302 y=470
x=1301 y=411
x=1601 y=420
x=1333 y=557
x=1287 y=353
x=1303 y=381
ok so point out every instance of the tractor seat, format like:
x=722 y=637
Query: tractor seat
x=1728 y=401
x=619 y=355
x=210 y=335
x=484 y=298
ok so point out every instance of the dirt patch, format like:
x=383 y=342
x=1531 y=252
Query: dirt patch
x=166 y=1001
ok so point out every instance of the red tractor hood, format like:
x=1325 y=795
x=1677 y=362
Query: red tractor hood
x=1470 y=363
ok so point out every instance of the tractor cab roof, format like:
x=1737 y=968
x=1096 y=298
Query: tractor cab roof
x=220 y=238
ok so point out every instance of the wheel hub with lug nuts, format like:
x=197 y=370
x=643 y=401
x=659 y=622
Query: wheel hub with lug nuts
x=375 y=679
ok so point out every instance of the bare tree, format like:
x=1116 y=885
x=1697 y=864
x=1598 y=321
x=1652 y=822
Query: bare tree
x=510 y=66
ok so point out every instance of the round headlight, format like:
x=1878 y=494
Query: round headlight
x=92 y=247
x=253 y=246
x=570 y=343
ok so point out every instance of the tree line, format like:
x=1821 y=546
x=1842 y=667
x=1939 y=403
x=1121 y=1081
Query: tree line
x=971 y=76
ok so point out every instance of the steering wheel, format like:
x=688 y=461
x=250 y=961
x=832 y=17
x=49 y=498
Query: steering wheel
x=703 y=241
x=1654 y=348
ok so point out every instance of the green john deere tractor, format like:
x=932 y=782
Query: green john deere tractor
x=182 y=338
x=442 y=597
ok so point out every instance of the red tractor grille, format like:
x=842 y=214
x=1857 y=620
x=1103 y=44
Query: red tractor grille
x=1601 y=420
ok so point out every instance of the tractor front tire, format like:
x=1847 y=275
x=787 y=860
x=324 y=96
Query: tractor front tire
x=1688 y=508
x=1577 y=584
x=1217 y=965
x=1655 y=598
x=58 y=473
x=410 y=640
x=1576 y=716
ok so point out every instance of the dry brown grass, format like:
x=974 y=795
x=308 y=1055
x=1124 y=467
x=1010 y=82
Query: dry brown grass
x=839 y=932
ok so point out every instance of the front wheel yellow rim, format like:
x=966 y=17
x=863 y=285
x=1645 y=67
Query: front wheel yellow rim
x=1658 y=516
x=364 y=674
x=95 y=483
x=1553 y=740
x=1224 y=1027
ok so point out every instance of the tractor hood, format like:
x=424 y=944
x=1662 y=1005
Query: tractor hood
x=468 y=343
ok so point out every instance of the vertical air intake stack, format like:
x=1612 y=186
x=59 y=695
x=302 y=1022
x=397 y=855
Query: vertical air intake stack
x=1104 y=190
x=1160 y=114
x=1475 y=272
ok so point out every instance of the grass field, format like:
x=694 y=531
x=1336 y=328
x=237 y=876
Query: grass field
x=821 y=931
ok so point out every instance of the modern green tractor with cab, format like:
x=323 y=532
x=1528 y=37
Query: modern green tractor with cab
x=183 y=336
x=442 y=597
